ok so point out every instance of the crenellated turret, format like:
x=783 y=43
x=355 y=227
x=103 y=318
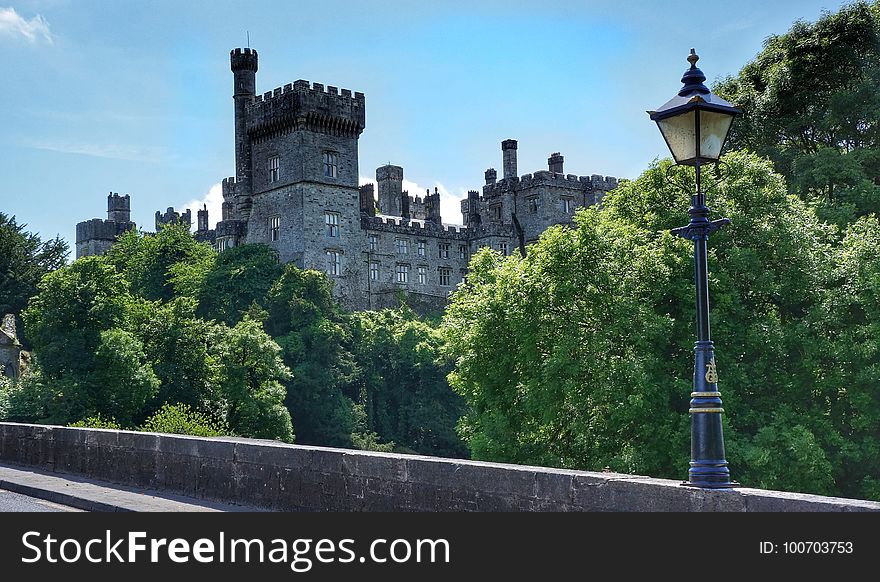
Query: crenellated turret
x=244 y=64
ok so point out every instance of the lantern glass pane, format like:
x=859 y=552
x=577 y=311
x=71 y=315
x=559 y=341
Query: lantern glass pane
x=713 y=131
x=681 y=136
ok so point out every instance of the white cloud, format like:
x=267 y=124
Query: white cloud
x=112 y=151
x=34 y=30
x=213 y=199
x=450 y=204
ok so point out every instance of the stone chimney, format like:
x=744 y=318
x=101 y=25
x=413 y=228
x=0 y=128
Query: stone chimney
x=555 y=163
x=508 y=150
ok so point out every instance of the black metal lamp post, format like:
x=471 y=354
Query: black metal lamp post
x=695 y=124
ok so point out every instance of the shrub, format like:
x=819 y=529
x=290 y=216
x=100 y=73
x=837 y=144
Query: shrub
x=181 y=419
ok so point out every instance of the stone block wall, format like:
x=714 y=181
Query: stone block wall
x=300 y=478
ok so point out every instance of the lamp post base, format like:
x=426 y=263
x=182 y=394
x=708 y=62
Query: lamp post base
x=728 y=485
x=709 y=475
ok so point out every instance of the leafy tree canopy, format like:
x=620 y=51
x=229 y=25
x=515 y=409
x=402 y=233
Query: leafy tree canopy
x=24 y=259
x=811 y=105
x=581 y=354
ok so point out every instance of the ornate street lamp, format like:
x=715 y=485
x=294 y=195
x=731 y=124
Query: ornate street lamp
x=695 y=124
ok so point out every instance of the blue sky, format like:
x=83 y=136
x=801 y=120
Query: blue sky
x=135 y=96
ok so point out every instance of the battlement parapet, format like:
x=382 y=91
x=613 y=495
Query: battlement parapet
x=301 y=105
x=172 y=217
x=603 y=183
x=228 y=186
x=422 y=228
x=98 y=229
x=243 y=59
x=117 y=202
x=552 y=179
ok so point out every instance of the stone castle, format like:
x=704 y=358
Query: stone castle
x=296 y=189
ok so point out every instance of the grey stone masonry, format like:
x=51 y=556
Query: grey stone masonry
x=290 y=477
x=96 y=236
x=296 y=188
x=10 y=348
x=172 y=217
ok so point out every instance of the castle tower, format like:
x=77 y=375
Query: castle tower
x=390 y=181
x=404 y=205
x=471 y=205
x=554 y=162
x=96 y=236
x=118 y=208
x=367 y=200
x=202 y=217
x=172 y=217
x=432 y=208
x=244 y=70
x=508 y=150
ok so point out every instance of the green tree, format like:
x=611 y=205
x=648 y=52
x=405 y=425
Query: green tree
x=240 y=277
x=849 y=319
x=250 y=374
x=178 y=344
x=121 y=381
x=580 y=354
x=24 y=259
x=810 y=104
x=304 y=319
x=161 y=266
x=181 y=419
x=64 y=323
x=401 y=382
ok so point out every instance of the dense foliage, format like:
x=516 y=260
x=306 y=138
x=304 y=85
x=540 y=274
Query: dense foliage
x=401 y=382
x=113 y=337
x=181 y=419
x=24 y=259
x=811 y=105
x=162 y=321
x=580 y=354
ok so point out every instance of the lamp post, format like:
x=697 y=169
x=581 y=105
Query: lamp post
x=695 y=124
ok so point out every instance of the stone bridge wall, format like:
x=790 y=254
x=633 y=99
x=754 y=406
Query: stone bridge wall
x=301 y=478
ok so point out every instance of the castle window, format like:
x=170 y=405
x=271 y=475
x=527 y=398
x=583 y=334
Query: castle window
x=462 y=252
x=331 y=220
x=330 y=165
x=402 y=245
x=274 y=169
x=402 y=273
x=334 y=263
x=445 y=277
x=374 y=271
x=423 y=275
x=374 y=242
x=503 y=248
x=533 y=205
x=422 y=245
x=274 y=228
x=566 y=204
x=223 y=244
x=444 y=250
x=496 y=212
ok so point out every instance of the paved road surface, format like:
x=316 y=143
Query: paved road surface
x=10 y=501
